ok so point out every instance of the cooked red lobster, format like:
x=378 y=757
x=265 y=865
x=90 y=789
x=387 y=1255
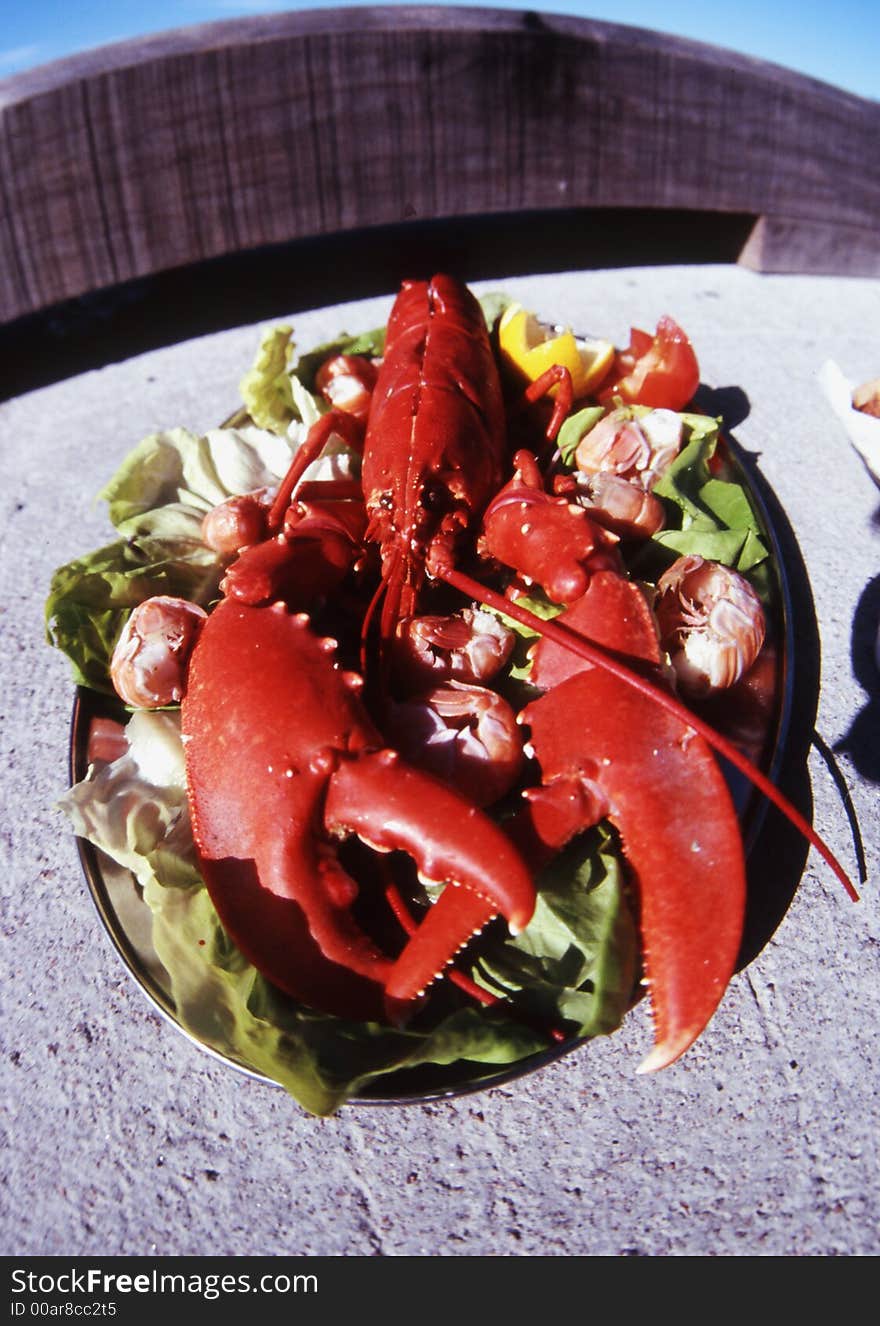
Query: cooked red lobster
x=286 y=759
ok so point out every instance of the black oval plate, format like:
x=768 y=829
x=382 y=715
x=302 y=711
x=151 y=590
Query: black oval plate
x=127 y=917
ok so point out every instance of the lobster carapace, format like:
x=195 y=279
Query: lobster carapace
x=435 y=449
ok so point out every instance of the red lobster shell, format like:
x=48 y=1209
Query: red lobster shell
x=435 y=448
x=283 y=759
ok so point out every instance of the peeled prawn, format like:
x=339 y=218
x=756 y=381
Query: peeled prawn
x=711 y=622
x=639 y=449
x=148 y=666
x=465 y=735
x=618 y=462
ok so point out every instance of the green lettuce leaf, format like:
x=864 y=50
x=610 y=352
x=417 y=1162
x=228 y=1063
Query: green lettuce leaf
x=576 y=960
x=178 y=469
x=705 y=507
x=322 y=1061
x=278 y=391
x=265 y=388
x=91 y=599
x=135 y=808
x=576 y=427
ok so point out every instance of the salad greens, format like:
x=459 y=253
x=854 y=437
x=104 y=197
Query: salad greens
x=576 y=965
x=711 y=517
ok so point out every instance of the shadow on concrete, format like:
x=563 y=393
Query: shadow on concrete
x=114 y=324
x=779 y=853
x=862 y=741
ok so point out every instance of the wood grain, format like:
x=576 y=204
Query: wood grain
x=151 y=155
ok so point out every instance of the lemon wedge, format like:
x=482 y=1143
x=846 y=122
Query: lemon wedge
x=531 y=347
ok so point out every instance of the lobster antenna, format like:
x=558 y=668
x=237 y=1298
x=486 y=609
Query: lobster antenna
x=390 y=590
x=368 y=621
x=591 y=653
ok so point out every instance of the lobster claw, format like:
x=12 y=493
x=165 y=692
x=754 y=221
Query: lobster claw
x=283 y=760
x=663 y=790
x=391 y=805
x=658 y=782
x=569 y=546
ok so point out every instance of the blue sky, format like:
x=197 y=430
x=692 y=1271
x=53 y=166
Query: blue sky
x=837 y=42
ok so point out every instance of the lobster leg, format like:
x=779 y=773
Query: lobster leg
x=337 y=421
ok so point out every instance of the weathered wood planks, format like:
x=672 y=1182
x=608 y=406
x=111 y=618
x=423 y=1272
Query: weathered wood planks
x=151 y=155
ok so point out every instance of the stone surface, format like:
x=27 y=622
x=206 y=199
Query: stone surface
x=124 y=1138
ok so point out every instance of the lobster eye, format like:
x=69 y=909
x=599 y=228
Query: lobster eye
x=436 y=498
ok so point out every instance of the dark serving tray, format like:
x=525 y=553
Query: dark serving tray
x=127 y=918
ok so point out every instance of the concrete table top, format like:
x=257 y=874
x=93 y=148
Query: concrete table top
x=122 y=1137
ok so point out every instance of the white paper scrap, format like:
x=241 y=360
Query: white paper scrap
x=863 y=430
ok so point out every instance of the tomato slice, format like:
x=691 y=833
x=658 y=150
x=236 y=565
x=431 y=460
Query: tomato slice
x=659 y=370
